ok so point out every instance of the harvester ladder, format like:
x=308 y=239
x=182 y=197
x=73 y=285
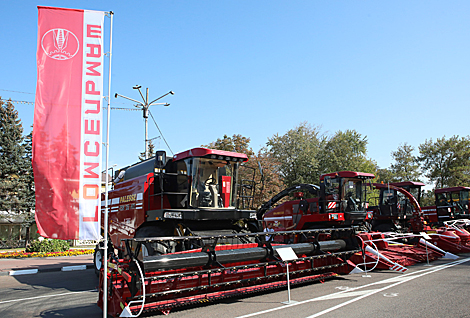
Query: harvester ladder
x=246 y=190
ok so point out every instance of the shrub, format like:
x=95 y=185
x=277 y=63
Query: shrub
x=48 y=245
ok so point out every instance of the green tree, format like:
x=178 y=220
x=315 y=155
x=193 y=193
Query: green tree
x=236 y=143
x=151 y=151
x=12 y=157
x=297 y=154
x=427 y=198
x=346 y=151
x=446 y=162
x=384 y=175
x=406 y=166
x=29 y=195
x=268 y=183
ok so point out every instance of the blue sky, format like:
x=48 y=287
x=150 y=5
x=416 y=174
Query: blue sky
x=395 y=71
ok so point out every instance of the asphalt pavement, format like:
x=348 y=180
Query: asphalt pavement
x=32 y=265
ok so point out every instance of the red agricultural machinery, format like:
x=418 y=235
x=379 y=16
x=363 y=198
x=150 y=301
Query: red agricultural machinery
x=181 y=231
x=339 y=201
x=223 y=267
x=450 y=204
x=396 y=210
x=195 y=191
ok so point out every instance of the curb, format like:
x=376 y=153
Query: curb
x=45 y=270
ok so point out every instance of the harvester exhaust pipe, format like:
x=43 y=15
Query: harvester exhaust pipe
x=184 y=260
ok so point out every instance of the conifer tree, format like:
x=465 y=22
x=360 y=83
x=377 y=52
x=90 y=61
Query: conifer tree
x=12 y=160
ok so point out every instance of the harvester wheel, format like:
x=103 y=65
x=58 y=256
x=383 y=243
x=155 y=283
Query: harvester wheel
x=98 y=260
x=98 y=256
x=155 y=247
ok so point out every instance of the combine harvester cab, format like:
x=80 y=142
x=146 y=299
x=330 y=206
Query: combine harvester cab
x=451 y=204
x=449 y=217
x=396 y=209
x=340 y=201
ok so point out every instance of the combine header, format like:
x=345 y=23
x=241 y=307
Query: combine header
x=220 y=266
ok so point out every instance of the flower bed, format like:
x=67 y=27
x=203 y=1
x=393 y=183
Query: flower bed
x=22 y=254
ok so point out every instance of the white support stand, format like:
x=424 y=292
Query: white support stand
x=426 y=237
x=365 y=266
x=287 y=254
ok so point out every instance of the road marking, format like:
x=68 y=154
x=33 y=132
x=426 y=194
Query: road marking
x=23 y=272
x=344 y=295
x=38 y=297
x=399 y=280
x=73 y=268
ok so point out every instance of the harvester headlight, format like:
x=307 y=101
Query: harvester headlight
x=333 y=216
x=253 y=215
x=173 y=215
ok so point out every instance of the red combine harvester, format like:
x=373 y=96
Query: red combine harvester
x=179 y=234
x=451 y=204
x=340 y=202
x=196 y=190
x=396 y=209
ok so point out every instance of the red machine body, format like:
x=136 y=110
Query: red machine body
x=396 y=209
x=339 y=201
x=450 y=203
x=196 y=190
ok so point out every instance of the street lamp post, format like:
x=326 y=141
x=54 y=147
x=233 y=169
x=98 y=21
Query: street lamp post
x=145 y=108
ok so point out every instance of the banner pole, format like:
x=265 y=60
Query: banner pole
x=105 y=256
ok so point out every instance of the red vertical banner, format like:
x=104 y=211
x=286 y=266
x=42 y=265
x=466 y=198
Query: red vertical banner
x=67 y=123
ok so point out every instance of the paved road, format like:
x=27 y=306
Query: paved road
x=43 y=263
x=441 y=290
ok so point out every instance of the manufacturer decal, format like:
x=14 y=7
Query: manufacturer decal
x=60 y=44
x=128 y=198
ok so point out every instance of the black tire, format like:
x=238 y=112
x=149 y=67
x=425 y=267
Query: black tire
x=253 y=227
x=155 y=248
x=98 y=256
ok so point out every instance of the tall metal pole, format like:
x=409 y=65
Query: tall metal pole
x=105 y=256
x=146 y=118
x=145 y=108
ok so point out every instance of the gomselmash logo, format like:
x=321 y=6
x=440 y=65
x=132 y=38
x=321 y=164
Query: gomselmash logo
x=60 y=44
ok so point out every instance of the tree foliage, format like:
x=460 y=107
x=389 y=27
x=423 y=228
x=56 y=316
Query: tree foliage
x=446 y=162
x=346 y=151
x=151 y=151
x=29 y=195
x=14 y=167
x=268 y=183
x=236 y=143
x=297 y=153
x=384 y=175
x=406 y=166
